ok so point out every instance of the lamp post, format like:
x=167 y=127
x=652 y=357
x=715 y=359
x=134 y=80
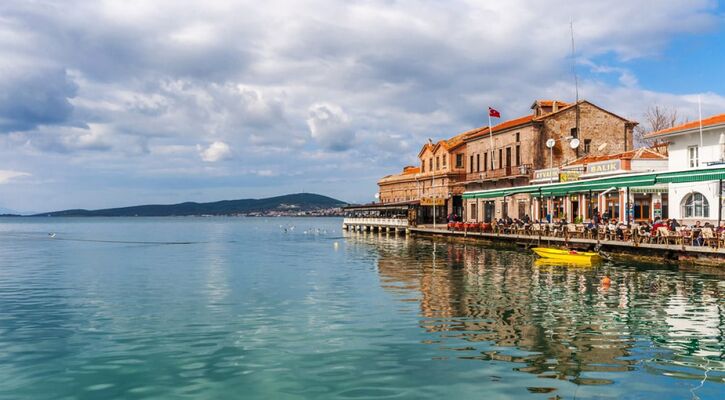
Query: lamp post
x=432 y=183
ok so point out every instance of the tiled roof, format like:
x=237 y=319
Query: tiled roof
x=714 y=120
x=637 y=154
x=474 y=133
x=550 y=103
x=411 y=170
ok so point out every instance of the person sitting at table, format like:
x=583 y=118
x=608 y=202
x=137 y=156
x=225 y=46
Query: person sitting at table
x=621 y=227
x=697 y=239
x=612 y=227
x=673 y=224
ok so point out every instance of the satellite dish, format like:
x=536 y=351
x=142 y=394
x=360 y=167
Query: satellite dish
x=574 y=143
x=602 y=146
x=550 y=143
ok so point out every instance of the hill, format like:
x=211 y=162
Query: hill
x=290 y=203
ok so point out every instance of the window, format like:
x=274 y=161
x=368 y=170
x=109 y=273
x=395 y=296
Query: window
x=471 y=163
x=695 y=205
x=518 y=155
x=444 y=160
x=438 y=163
x=587 y=145
x=473 y=216
x=500 y=158
x=574 y=133
x=430 y=164
x=459 y=160
x=518 y=136
x=485 y=161
x=478 y=162
x=422 y=166
x=693 y=156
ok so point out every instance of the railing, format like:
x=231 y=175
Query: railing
x=523 y=170
x=393 y=222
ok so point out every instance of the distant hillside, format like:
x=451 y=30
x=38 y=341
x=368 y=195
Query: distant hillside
x=290 y=202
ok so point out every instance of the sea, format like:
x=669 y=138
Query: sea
x=295 y=308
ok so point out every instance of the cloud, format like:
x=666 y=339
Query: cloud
x=7 y=175
x=216 y=151
x=34 y=96
x=121 y=90
x=330 y=126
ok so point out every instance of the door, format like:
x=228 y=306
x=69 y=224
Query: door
x=508 y=161
x=489 y=208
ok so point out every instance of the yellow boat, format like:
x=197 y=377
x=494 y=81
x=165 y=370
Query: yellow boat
x=566 y=256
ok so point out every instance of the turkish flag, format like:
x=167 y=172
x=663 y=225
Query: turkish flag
x=493 y=113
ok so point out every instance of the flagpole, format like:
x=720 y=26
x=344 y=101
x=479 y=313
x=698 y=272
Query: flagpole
x=699 y=110
x=490 y=137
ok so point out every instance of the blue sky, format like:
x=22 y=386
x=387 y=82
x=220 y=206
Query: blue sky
x=122 y=102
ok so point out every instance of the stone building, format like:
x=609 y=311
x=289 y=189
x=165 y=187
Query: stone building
x=516 y=148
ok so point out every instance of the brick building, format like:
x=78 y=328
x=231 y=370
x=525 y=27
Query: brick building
x=517 y=148
x=436 y=183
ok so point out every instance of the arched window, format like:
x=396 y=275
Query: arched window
x=695 y=206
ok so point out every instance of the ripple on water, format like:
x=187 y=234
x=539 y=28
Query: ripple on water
x=249 y=311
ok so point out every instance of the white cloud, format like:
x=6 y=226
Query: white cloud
x=7 y=175
x=131 y=87
x=216 y=151
x=330 y=126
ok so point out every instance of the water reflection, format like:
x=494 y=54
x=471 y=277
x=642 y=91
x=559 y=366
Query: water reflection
x=559 y=322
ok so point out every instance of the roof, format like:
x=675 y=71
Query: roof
x=448 y=144
x=572 y=105
x=512 y=123
x=549 y=103
x=636 y=154
x=707 y=122
x=409 y=172
x=527 y=119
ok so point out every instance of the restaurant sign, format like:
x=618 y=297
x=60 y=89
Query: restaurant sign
x=429 y=201
x=604 y=166
x=568 y=176
x=550 y=174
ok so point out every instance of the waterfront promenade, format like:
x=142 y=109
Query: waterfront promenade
x=670 y=250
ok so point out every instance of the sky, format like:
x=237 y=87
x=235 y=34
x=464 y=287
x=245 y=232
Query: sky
x=121 y=102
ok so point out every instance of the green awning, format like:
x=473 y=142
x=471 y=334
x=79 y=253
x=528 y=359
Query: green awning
x=521 y=189
x=646 y=181
x=484 y=195
x=691 y=176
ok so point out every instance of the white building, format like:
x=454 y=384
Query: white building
x=693 y=148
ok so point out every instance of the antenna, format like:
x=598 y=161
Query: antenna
x=576 y=80
x=573 y=62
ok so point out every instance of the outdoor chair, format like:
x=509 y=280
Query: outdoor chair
x=665 y=236
x=708 y=237
x=684 y=234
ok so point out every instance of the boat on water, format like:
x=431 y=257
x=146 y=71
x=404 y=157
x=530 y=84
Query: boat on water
x=566 y=256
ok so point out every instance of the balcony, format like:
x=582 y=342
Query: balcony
x=510 y=172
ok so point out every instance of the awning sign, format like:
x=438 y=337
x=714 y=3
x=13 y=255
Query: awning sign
x=547 y=174
x=428 y=201
x=604 y=166
x=568 y=176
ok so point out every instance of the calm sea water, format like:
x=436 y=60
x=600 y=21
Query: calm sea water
x=240 y=308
